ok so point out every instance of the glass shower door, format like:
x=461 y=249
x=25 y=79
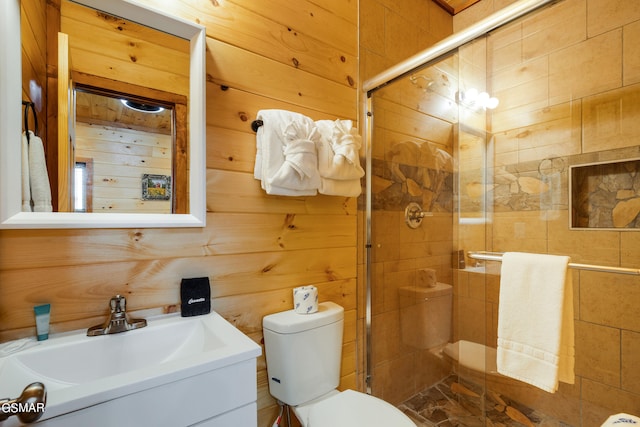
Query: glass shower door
x=429 y=184
x=414 y=126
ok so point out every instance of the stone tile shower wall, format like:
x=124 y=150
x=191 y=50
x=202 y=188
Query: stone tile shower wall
x=414 y=171
x=606 y=195
x=568 y=79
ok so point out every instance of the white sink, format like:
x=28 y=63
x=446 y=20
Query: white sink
x=205 y=364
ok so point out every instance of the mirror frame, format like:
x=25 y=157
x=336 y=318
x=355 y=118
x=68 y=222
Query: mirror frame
x=11 y=125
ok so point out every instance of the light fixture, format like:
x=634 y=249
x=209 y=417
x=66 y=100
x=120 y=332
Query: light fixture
x=492 y=103
x=143 y=108
x=475 y=100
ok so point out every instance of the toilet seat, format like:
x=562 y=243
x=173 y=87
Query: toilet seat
x=351 y=408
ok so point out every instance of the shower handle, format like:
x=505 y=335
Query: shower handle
x=413 y=215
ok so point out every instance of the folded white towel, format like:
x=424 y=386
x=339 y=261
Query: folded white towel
x=338 y=187
x=26 y=187
x=38 y=176
x=299 y=170
x=338 y=150
x=535 y=320
x=286 y=158
x=339 y=158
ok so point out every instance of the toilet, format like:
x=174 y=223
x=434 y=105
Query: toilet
x=304 y=352
x=425 y=315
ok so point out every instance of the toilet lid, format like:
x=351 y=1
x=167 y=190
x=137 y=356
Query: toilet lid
x=351 y=409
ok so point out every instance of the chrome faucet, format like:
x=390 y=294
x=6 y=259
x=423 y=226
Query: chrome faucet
x=118 y=320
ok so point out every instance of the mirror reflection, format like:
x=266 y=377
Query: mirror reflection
x=123 y=154
x=105 y=155
x=119 y=46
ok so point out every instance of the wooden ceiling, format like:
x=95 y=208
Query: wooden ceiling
x=97 y=109
x=455 y=6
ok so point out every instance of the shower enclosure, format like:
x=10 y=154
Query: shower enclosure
x=470 y=146
x=429 y=161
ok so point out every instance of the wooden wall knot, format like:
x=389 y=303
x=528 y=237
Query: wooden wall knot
x=108 y=17
x=331 y=275
x=288 y=222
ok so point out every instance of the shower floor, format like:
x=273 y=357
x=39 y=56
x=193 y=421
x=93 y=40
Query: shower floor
x=455 y=403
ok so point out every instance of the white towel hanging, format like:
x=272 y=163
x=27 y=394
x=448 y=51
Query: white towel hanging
x=535 y=320
x=38 y=175
x=26 y=186
x=286 y=158
x=338 y=158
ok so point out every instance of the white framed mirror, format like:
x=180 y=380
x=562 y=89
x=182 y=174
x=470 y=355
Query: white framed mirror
x=11 y=215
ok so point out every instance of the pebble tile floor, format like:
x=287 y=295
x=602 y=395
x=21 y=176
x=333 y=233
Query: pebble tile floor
x=455 y=403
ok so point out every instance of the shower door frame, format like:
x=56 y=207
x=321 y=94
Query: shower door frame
x=421 y=59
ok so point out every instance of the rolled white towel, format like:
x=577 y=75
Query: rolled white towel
x=340 y=187
x=299 y=170
x=339 y=158
x=286 y=157
x=345 y=144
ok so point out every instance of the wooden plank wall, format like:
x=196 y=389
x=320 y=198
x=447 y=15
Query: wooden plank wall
x=299 y=56
x=34 y=61
x=120 y=157
x=124 y=51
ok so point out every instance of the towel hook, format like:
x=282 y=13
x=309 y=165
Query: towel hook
x=30 y=105
x=256 y=124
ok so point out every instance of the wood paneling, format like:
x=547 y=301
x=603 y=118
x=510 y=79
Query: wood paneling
x=122 y=50
x=98 y=109
x=248 y=71
x=65 y=132
x=277 y=39
x=256 y=247
x=33 y=29
x=33 y=34
x=120 y=157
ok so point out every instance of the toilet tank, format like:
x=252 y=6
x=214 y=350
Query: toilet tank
x=303 y=352
x=426 y=315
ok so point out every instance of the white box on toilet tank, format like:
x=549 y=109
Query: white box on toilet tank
x=303 y=352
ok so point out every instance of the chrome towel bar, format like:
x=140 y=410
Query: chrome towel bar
x=497 y=256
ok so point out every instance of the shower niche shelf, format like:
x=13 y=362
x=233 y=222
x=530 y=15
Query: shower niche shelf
x=605 y=195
